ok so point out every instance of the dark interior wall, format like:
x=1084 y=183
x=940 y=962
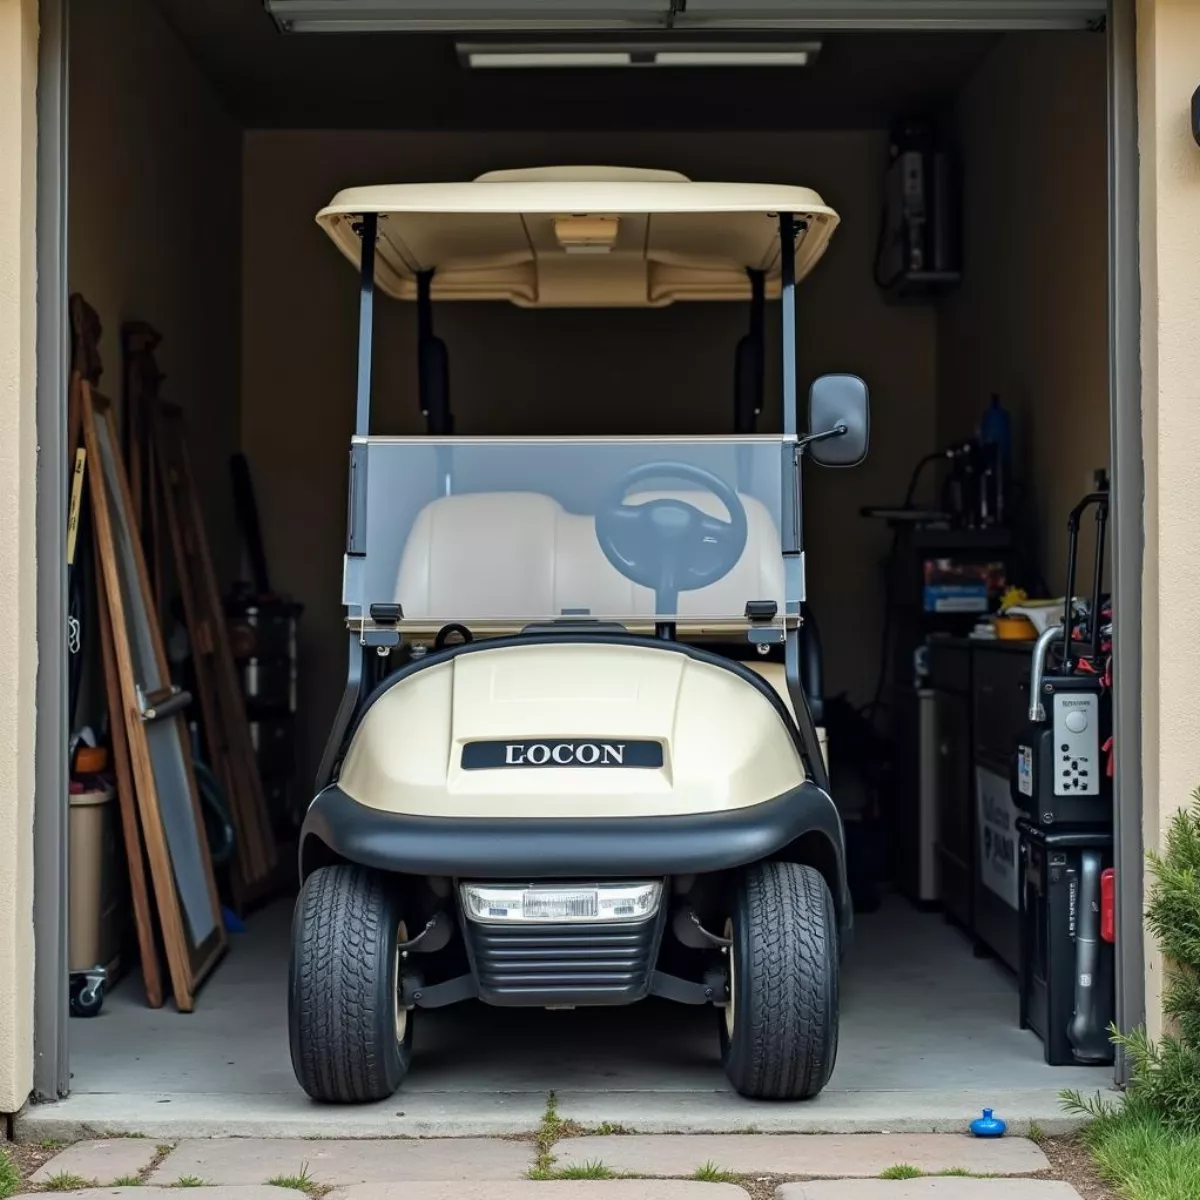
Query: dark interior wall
x=516 y=371
x=1031 y=320
x=155 y=225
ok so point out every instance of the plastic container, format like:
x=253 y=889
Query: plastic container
x=96 y=880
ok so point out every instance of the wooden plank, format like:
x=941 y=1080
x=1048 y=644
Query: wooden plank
x=189 y=959
x=227 y=731
x=143 y=917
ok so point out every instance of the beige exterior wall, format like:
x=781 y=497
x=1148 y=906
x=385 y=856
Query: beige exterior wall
x=18 y=629
x=1168 y=51
x=515 y=371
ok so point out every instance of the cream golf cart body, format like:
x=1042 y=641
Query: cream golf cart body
x=575 y=762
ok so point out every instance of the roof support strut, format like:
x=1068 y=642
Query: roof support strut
x=366 y=323
x=787 y=308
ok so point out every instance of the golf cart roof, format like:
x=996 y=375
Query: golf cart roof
x=580 y=236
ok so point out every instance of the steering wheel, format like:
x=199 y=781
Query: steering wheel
x=668 y=544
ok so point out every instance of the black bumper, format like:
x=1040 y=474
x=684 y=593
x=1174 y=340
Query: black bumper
x=570 y=848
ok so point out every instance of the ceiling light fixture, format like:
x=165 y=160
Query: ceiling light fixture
x=500 y=55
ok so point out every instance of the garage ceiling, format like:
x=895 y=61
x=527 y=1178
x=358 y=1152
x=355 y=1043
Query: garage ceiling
x=415 y=81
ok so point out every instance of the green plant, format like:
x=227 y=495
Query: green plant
x=608 y=1129
x=592 y=1169
x=1139 y=1153
x=51 y=1144
x=64 y=1181
x=10 y=1177
x=189 y=1181
x=711 y=1173
x=902 y=1171
x=1165 y=1076
x=953 y=1171
x=300 y=1182
x=1035 y=1133
x=548 y=1132
x=127 y=1181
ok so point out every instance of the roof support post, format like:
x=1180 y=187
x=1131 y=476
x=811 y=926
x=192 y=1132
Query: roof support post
x=787 y=251
x=368 y=228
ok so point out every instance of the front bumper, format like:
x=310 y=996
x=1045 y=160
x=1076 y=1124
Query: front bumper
x=565 y=848
x=528 y=848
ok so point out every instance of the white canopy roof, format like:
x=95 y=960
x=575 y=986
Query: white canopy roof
x=580 y=236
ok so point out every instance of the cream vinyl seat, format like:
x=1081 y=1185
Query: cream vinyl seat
x=521 y=556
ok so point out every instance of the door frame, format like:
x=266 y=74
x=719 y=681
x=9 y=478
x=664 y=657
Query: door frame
x=51 y=1066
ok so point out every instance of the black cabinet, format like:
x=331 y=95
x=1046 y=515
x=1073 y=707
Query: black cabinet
x=981 y=698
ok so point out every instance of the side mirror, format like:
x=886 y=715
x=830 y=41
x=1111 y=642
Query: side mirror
x=839 y=421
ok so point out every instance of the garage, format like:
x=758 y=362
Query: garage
x=972 y=155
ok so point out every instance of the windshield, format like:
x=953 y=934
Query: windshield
x=518 y=530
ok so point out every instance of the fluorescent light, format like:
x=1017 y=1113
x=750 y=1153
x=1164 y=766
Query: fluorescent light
x=401 y=16
x=523 y=59
x=731 y=58
x=527 y=55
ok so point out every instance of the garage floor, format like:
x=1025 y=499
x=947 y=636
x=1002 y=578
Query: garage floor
x=928 y=1037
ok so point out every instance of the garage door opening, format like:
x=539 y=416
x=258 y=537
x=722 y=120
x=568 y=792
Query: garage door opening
x=223 y=137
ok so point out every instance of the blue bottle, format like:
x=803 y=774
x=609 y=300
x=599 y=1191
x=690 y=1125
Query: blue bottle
x=996 y=430
x=988 y=1126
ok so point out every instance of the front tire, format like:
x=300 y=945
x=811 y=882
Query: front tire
x=779 y=1033
x=351 y=1041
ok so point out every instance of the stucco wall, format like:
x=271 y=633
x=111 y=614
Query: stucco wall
x=1030 y=322
x=1168 y=53
x=514 y=371
x=18 y=647
x=155 y=223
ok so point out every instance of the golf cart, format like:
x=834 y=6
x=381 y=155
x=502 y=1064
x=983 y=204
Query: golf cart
x=575 y=762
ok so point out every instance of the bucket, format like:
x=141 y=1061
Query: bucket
x=96 y=880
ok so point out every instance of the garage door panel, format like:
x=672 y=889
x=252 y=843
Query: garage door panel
x=891 y=14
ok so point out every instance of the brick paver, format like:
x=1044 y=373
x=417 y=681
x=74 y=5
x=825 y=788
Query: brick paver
x=928 y=1189
x=258 y=1160
x=830 y=1155
x=101 y=1161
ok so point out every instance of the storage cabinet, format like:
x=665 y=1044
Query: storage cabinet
x=981 y=697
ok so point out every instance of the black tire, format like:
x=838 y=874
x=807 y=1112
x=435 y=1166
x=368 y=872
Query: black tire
x=784 y=974
x=343 y=1015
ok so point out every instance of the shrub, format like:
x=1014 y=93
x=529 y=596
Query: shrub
x=1165 y=1076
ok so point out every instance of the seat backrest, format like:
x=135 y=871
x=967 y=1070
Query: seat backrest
x=522 y=556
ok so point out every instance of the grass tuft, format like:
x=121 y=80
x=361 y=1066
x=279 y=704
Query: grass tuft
x=127 y=1181
x=10 y=1177
x=51 y=1144
x=954 y=1171
x=592 y=1169
x=1139 y=1154
x=189 y=1181
x=608 y=1129
x=711 y=1173
x=300 y=1182
x=901 y=1171
x=64 y=1181
x=1035 y=1133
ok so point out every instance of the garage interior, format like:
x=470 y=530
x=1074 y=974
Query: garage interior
x=203 y=140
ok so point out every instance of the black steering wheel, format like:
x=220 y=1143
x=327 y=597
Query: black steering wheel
x=668 y=544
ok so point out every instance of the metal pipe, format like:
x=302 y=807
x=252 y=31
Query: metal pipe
x=1037 y=712
x=1098 y=577
x=366 y=323
x=1088 y=1039
x=787 y=254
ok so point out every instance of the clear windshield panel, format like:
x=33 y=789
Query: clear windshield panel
x=518 y=530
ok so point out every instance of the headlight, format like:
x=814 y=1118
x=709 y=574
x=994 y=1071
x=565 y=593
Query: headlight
x=599 y=902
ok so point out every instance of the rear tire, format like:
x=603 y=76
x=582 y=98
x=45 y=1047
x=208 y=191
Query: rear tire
x=779 y=1036
x=351 y=1041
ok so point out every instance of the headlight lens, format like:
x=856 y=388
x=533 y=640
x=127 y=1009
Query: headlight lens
x=538 y=903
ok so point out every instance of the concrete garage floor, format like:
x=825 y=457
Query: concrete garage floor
x=929 y=1035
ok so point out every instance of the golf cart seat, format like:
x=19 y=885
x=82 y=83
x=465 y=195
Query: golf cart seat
x=513 y=554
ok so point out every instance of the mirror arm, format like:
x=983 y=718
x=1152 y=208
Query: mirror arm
x=839 y=430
